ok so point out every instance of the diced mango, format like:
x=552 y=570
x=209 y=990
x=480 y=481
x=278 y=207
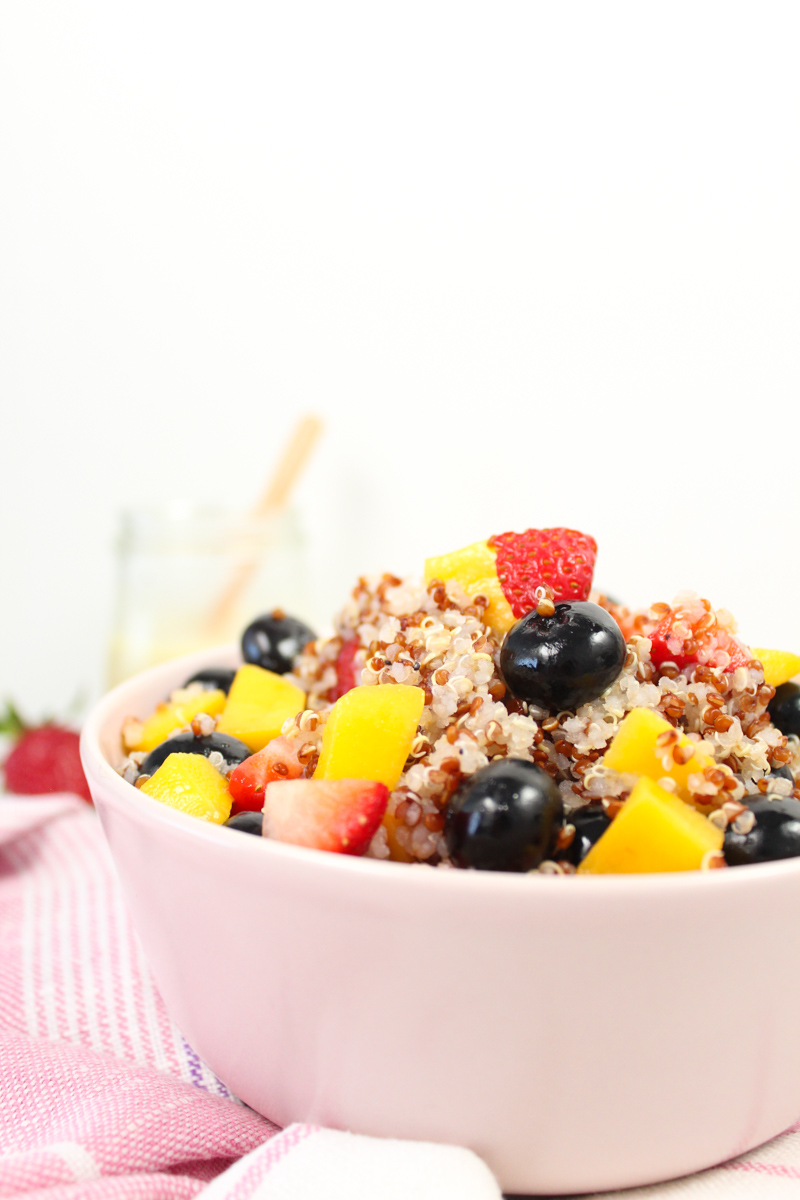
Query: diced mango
x=258 y=704
x=176 y=714
x=369 y=733
x=653 y=831
x=474 y=567
x=189 y=783
x=779 y=665
x=633 y=749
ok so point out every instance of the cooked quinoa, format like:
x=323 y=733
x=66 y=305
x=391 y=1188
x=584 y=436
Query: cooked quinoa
x=435 y=638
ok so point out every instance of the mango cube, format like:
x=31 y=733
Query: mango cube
x=369 y=733
x=189 y=783
x=652 y=832
x=779 y=665
x=258 y=704
x=634 y=750
x=176 y=714
x=474 y=567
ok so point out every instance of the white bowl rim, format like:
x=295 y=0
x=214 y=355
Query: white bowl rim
x=134 y=802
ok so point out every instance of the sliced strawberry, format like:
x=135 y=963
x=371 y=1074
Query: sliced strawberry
x=562 y=559
x=346 y=668
x=341 y=815
x=633 y=622
x=278 y=760
x=692 y=632
x=46 y=759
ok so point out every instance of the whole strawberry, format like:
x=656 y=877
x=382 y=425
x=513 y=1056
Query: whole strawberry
x=44 y=759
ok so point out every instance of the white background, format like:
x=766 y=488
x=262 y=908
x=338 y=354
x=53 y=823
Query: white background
x=533 y=264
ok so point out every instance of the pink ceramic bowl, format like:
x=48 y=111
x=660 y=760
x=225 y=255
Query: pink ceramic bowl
x=578 y=1033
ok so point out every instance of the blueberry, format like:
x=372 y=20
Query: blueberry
x=590 y=823
x=231 y=749
x=784 y=708
x=248 y=822
x=776 y=833
x=274 y=640
x=506 y=817
x=565 y=660
x=214 y=677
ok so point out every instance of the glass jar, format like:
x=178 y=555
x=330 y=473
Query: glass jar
x=191 y=577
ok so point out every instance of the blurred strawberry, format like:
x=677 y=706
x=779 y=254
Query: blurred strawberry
x=346 y=668
x=44 y=759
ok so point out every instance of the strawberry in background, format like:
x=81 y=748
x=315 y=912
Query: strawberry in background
x=44 y=758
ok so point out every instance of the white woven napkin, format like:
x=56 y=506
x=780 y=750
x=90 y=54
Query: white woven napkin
x=304 y=1163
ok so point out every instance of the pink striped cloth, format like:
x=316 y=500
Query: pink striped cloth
x=102 y=1098
x=100 y=1095
x=95 y=1080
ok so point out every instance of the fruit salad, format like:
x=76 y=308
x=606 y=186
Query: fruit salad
x=497 y=714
